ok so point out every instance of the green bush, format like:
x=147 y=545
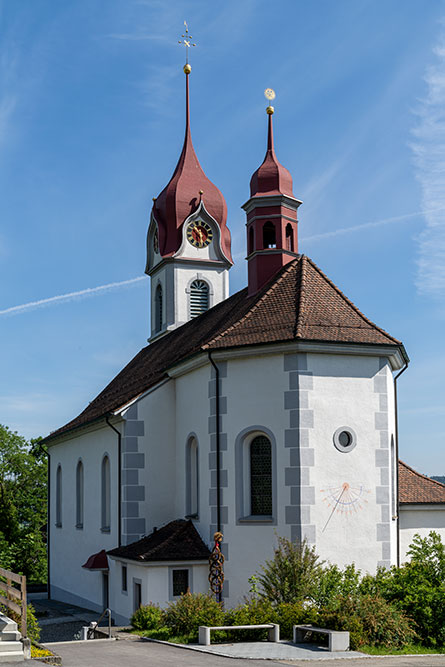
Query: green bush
x=253 y=612
x=185 y=615
x=147 y=617
x=334 y=583
x=294 y=613
x=292 y=574
x=370 y=620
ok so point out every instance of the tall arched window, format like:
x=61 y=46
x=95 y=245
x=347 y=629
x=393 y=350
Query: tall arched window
x=199 y=297
x=59 y=496
x=269 y=235
x=260 y=476
x=251 y=240
x=289 y=237
x=192 y=480
x=158 y=308
x=79 y=495
x=106 y=498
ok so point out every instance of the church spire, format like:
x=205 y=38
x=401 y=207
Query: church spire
x=188 y=241
x=272 y=236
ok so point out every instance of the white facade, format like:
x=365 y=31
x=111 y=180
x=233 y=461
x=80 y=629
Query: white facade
x=299 y=398
x=421 y=520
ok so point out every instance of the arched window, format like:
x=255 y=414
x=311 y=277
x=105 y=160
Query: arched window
x=251 y=239
x=158 y=308
x=289 y=238
x=106 y=499
x=199 y=298
x=192 y=480
x=269 y=236
x=260 y=476
x=79 y=495
x=59 y=496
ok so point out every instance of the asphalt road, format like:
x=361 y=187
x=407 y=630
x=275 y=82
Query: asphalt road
x=134 y=653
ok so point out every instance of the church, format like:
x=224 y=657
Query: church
x=269 y=412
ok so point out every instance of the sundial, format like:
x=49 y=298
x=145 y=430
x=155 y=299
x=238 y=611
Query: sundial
x=345 y=499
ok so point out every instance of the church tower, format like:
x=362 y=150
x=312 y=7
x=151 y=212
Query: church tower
x=188 y=242
x=272 y=234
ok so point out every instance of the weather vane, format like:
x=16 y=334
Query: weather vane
x=187 y=41
x=269 y=94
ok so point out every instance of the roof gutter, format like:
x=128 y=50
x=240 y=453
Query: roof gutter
x=119 y=481
x=397 y=458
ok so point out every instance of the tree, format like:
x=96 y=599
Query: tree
x=23 y=493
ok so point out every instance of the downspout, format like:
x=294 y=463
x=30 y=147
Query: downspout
x=119 y=481
x=218 y=449
x=218 y=461
x=397 y=459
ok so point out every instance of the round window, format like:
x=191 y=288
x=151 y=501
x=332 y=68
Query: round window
x=345 y=439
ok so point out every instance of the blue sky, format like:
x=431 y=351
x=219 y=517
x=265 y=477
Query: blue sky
x=91 y=126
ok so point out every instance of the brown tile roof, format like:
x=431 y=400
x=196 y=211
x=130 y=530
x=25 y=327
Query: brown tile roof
x=299 y=303
x=415 y=488
x=178 y=540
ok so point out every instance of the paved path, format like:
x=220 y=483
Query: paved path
x=104 y=653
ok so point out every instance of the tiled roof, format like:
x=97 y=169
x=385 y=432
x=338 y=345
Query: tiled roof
x=415 y=488
x=299 y=303
x=178 y=540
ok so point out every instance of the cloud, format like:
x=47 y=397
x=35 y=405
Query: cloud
x=429 y=160
x=71 y=296
x=368 y=225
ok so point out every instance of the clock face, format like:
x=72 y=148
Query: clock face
x=199 y=234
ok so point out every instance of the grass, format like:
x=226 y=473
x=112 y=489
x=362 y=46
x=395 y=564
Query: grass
x=410 y=649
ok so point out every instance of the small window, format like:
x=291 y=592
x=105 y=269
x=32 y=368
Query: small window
x=158 y=308
x=251 y=240
x=345 y=439
x=180 y=582
x=106 y=499
x=260 y=476
x=289 y=238
x=79 y=495
x=269 y=235
x=124 y=578
x=59 y=496
x=137 y=595
x=199 y=298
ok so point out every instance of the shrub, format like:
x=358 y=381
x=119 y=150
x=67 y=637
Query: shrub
x=292 y=574
x=333 y=584
x=185 y=615
x=369 y=620
x=294 y=613
x=253 y=612
x=147 y=617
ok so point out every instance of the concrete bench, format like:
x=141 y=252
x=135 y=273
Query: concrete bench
x=338 y=640
x=273 y=631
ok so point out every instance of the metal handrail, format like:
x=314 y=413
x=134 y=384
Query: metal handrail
x=95 y=624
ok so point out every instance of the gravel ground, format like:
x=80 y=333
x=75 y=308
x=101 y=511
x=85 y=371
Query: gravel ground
x=60 y=632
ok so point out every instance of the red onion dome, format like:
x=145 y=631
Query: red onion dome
x=271 y=178
x=181 y=197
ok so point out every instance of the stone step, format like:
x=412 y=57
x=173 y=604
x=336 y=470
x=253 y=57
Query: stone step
x=11 y=657
x=10 y=647
x=10 y=636
x=7 y=624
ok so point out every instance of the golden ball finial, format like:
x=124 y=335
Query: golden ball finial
x=187 y=69
x=270 y=110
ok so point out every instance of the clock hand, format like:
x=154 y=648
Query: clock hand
x=345 y=488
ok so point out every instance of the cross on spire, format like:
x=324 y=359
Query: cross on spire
x=187 y=42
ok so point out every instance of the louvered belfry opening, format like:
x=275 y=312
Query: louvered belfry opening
x=261 y=476
x=199 y=298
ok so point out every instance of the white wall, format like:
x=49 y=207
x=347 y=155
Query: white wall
x=421 y=520
x=70 y=547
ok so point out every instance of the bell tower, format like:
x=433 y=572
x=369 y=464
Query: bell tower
x=188 y=241
x=272 y=225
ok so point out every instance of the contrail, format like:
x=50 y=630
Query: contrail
x=376 y=223
x=90 y=291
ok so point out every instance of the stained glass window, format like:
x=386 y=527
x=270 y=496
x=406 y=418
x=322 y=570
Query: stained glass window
x=261 y=476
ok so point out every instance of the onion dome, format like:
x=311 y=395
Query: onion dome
x=271 y=178
x=187 y=188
